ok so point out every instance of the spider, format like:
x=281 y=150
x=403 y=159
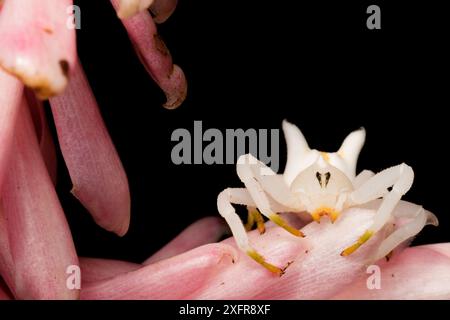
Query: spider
x=322 y=184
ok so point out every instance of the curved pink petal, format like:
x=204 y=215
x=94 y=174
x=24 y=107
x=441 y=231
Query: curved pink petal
x=36 y=44
x=156 y=57
x=98 y=177
x=162 y=9
x=10 y=101
x=10 y=98
x=204 y=231
x=416 y=273
x=43 y=133
x=174 y=278
x=93 y=269
x=39 y=237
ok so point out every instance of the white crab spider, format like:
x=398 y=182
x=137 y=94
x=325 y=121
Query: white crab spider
x=321 y=184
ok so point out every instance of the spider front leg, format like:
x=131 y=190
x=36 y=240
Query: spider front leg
x=226 y=210
x=419 y=218
x=400 y=178
x=259 y=179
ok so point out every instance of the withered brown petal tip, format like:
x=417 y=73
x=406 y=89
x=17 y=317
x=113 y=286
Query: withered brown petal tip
x=160 y=45
x=64 y=67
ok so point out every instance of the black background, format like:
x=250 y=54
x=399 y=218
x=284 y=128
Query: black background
x=251 y=64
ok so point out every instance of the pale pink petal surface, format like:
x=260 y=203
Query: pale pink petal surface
x=174 y=278
x=442 y=248
x=36 y=44
x=98 y=177
x=39 y=237
x=204 y=231
x=416 y=273
x=93 y=269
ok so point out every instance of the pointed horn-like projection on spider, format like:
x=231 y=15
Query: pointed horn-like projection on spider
x=297 y=149
x=351 y=147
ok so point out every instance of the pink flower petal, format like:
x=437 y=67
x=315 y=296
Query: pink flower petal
x=174 y=278
x=39 y=236
x=162 y=9
x=442 y=248
x=10 y=97
x=156 y=57
x=101 y=269
x=43 y=133
x=98 y=177
x=416 y=273
x=204 y=231
x=10 y=100
x=36 y=45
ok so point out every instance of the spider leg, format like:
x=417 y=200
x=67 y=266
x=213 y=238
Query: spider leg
x=400 y=178
x=419 y=218
x=251 y=171
x=226 y=210
x=250 y=218
x=254 y=216
x=362 y=177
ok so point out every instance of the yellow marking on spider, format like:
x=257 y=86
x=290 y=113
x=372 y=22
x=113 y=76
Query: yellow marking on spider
x=366 y=236
x=259 y=222
x=325 y=156
x=325 y=211
x=283 y=224
x=260 y=259
x=255 y=216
